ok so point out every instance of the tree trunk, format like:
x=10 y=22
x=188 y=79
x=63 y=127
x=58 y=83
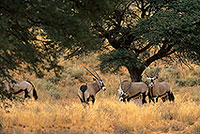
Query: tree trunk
x=136 y=73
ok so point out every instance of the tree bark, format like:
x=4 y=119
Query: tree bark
x=136 y=73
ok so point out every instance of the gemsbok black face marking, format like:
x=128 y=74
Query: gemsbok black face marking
x=102 y=86
x=122 y=95
x=131 y=90
x=159 y=89
x=151 y=82
x=90 y=89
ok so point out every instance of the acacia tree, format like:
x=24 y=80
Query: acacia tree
x=35 y=33
x=143 y=31
x=139 y=31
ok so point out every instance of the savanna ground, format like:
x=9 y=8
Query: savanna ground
x=58 y=109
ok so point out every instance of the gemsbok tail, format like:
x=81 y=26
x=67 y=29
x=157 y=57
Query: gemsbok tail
x=35 y=94
x=34 y=91
x=171 y=96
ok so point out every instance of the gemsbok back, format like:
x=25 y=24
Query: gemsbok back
x=15 y=88
x=159 y=89
x=132 y=90
x=90 y=89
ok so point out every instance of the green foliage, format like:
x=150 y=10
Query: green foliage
x=178 y=25
x=153 y=30
x=34 y=34
x=115 y=59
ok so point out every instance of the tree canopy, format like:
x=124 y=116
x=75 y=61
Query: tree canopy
x=35 y=33
x=143 y=31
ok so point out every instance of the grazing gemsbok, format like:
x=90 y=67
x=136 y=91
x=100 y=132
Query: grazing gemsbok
x=90 y=89
x=159 y=89
x=14 y=88
x=132 y=90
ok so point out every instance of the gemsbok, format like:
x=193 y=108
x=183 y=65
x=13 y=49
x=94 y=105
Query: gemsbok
x=159 y=89
x=15 y=88
x=90 y=89
x=132 y=90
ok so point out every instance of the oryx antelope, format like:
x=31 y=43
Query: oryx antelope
x=90 y=89
x=159 y=89
x=132 y=90
x=15 y=88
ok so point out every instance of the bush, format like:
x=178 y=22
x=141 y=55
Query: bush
x=190 y=81
x=76 y=73
x=49 y=88
x=152 y=71
x=164 y=74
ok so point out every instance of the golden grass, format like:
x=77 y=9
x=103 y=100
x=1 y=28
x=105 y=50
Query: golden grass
x=106 y=115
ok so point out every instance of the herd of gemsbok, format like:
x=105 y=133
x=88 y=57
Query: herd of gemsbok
x=128 y=90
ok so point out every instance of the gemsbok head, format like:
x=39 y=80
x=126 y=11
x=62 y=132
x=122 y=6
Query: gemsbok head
x=159 y=89
x=90 y=89
x=132 y=90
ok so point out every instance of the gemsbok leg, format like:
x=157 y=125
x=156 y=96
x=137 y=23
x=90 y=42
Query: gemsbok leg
x=90 y=89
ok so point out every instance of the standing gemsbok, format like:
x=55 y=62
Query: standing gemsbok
x=131 y=90
x=14 y=88
x=159 y=89
x=90 y=89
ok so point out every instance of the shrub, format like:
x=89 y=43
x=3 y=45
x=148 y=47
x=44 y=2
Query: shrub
x=164 y=74
x=190 y=81
x=49 y=88
x=152 y=71
x=76 y=73
x=180 y=83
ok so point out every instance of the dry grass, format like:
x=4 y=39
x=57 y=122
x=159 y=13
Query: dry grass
x=107 y=115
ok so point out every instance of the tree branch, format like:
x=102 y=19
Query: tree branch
x=143 y=49
x=163 y=52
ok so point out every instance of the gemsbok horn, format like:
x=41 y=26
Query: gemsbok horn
x=131 y=90
x=159 y=89
x=90 y=89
